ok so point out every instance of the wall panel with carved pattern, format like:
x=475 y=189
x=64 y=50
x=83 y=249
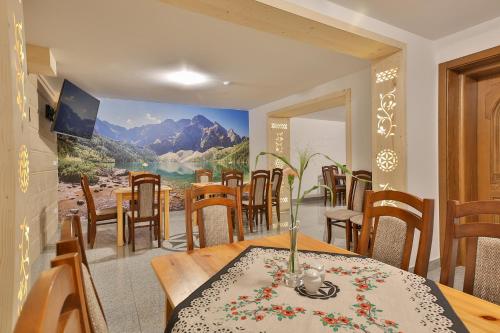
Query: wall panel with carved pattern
x=278 y=132
x=389 y=123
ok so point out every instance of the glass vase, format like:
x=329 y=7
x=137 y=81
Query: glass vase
x=294 y=274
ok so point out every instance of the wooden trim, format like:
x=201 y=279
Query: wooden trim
x=291 y=21
x=40 y=60
x=453 y=76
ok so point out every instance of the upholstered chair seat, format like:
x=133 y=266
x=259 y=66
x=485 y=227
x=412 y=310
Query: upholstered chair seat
x=341 y=214
x=357 y=220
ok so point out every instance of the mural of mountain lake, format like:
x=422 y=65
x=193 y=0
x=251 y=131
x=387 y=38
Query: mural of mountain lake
x=181 y=175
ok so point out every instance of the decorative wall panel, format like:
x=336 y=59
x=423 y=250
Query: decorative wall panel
x=279 y=143
x=389 y=124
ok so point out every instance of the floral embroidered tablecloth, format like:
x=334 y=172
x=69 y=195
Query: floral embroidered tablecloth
x=248 y=296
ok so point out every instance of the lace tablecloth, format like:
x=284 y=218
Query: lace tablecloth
x=247 y=295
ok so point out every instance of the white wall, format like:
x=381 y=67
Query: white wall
x=465 y=42
x=359 y=83
x=319 y=136
x=423 y=57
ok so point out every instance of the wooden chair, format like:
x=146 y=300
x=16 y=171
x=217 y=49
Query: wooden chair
x=360 y=182
x=145 y=208
x=256 y=205
x=56 y=302
x=482 y=254
x=336 y=182
x=276 y=180
x=71 y=241
x=212 y=205
x=136 y=173
x=96 y=217
x=232 y=178
x=203 y=175
x=387 y=231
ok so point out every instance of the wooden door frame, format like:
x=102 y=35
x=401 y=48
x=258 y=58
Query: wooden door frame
x=457 y=125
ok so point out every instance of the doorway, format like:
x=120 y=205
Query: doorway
x=469 y=130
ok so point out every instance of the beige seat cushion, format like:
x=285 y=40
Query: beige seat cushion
x=340 y=214
x=96 y=316
x=486 y=283
x=358 y=219
x=245 y=202
x=129 y=213
x=389 y=241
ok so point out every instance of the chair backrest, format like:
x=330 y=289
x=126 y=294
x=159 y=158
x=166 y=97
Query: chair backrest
x=71 y=241
x=56 y=302
x=89 y=199
x=136 y=173
x=232 y=178
x=203 y=175
x=71 y=229
x=212 y=205
x=392 y=229
x=146 y=191
x=482 y=254
x=259 y=187
x=327 y=176
x=276 y=179
x=360 y=182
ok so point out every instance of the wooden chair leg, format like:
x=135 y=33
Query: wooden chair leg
x=158 y=224
x=88 y=231
x=348 y=235
x=356 y=237
x=266 y=214
x=133 y=237
x=278 y=211
x=250 y=218
x=329 y=230
x=93 y=233
x=324 y=199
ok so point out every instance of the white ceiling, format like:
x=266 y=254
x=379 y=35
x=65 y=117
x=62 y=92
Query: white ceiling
x=119 y=48
x=432 y=19
x=331 y=114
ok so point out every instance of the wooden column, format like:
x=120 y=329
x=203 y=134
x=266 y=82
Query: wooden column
x=389 y=123
x=278 y=142
x=14 y=165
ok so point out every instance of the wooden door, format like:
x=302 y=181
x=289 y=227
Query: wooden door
x=488 y=139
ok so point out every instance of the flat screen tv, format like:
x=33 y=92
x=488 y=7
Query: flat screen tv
x=76 y=112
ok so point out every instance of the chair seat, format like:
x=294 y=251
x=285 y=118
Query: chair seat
x=136 y=215
x=106 y=214
x=341 y=214
x=358 y=219
x=245 y=202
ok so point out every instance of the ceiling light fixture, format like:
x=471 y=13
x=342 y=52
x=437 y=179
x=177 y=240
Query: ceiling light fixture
x=226 y=83
x=187 y=78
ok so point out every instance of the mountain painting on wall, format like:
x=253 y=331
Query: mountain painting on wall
x=167 y=139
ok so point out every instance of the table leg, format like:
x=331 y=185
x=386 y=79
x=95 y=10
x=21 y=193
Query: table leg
x=166 y=210
x=119 y=219
x=269 y=219
x=168 y=311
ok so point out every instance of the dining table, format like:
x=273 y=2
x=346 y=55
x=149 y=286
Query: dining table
x=125 y=194
x=181 y=274
x=244 y=189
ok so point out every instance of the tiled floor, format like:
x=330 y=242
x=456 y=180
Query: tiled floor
x=132 y=298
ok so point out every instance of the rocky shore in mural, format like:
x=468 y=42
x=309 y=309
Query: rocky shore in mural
x=173 y=149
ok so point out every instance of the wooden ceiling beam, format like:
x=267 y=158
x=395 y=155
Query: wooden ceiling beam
x=40 y=60
x=318 y=31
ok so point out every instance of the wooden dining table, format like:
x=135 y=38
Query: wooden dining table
x=125 y=194
x=180 y=274
x=245 y=189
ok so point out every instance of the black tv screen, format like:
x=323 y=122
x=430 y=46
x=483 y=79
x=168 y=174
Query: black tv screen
x=76 y=112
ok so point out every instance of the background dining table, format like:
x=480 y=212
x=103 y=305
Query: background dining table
x=180 y=274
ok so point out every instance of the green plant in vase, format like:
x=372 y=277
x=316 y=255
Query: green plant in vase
x=293 y=174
